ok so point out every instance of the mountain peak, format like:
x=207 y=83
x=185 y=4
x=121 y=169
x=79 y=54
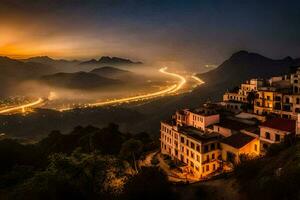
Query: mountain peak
x=111 y=61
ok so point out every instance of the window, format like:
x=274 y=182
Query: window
x=207 y=158
x=277 y=137
x=192 y=164
x=267 y=135
x=198 y=148
x=298 y=101
x=192 y=154
x=198 y=158
x=207 y=168
x=213 y=156
x=187 y=142
x=187 y=152
x=192 y=145
x=287 y=100
x=214 y=167
x=205 y=148
x=182 y=139
x=212 y=146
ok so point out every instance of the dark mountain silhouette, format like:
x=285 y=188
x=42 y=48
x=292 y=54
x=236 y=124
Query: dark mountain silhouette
x=111 y=72
x=244 y=65
x=18 y=70
x=78 y=80
x=61 y=65
x=48 y=60
x=106 y=60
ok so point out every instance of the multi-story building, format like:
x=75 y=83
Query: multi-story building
x=199 y=118
x=198 y=150
x=265 y=100
x=281 y=102
x=276 y=130
x=241 y=95
x=194 y=138
x=204 y=141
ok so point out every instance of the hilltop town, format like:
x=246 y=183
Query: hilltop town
x=202 y=142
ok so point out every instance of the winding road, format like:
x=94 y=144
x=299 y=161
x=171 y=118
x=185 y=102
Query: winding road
x=169 y=90
x=22 y=107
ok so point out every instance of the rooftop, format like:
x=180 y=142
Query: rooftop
x=287 y=125
x=180 y=112
x=170 y=122
x=198 y=134
x=205 y=110
x=238 y=140
x=233 y=124
x=254 y=129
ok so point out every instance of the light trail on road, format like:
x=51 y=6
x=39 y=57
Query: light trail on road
x=22 y=107
x=198 y=79
x=169 y=90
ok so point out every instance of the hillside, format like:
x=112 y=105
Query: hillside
x=61 y=166
x=78 y=80
x=106 y=60
x=20 y=70
x=276 y=176
x=244 y=65
x=14 y=71
x=111 y=72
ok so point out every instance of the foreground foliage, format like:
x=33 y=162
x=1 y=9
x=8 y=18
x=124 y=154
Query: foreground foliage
x=276 y=176
x=88 y=163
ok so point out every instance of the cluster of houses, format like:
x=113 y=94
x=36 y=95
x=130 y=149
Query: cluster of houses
x=215 y=136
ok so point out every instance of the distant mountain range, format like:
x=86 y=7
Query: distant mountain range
x=106 y=60
x=79 y=80
x=48 y=60
x=62 y=73
x=18 y=70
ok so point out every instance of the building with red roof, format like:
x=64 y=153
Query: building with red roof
x=276 y=130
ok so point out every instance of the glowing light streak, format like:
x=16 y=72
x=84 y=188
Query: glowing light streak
x=169 y=90
x=198 y=80
x=21 y=107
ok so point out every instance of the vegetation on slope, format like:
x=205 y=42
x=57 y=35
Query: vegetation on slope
x=88 y=163
x=276 y=176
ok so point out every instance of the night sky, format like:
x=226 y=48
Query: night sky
x=189 y=33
